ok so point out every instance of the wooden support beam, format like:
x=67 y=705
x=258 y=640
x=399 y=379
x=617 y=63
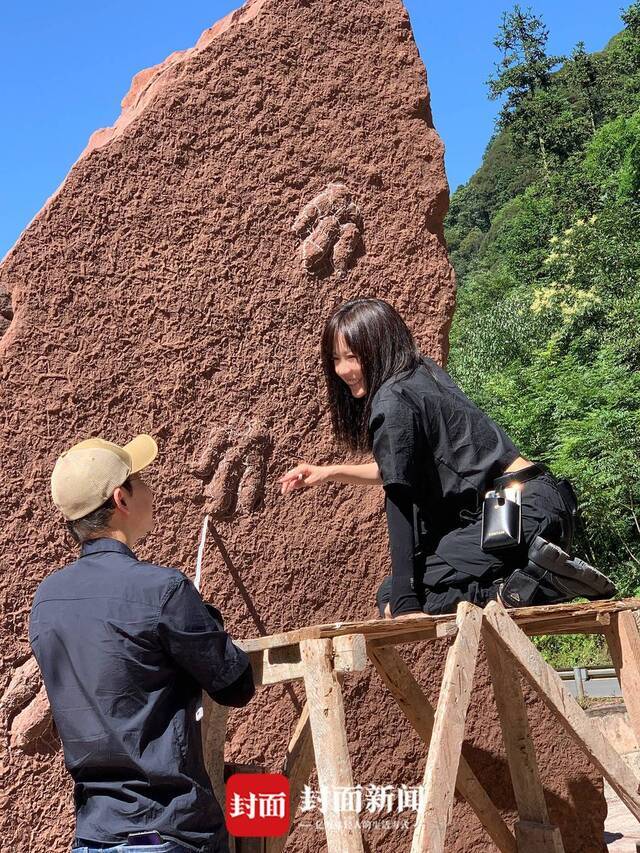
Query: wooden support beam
x=214 y=733
x=326 y=715
x=404 y=688
x=277 y=665
x=298 y=764
x=448 y=733
x=525 y=778
x=280 y=664
x=572 y=718
x=350 y=653
x=443 y=629
x=536 y=838
x=623 y=639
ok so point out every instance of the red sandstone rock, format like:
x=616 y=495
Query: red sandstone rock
x=6 y=312
x=23 y=686
x=161 y=290
x=32 y=722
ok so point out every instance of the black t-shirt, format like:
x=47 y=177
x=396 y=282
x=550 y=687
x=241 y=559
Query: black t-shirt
x=431 y=440
x=429 y=436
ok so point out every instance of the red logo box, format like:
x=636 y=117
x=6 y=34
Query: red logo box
x=257 y=804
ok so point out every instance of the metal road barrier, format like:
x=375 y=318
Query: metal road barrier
x=594 y=682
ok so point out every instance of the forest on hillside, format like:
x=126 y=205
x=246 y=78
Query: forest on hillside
x=545 y=240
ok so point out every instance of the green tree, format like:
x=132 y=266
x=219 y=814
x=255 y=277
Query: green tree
x=620 y=67
x=523 y=77
x=546 y=334
x=631 y=18
x=583 y=74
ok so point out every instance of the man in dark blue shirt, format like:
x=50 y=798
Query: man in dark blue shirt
x=125 y=648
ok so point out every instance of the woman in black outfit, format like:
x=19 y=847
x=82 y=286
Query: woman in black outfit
x=436 y=455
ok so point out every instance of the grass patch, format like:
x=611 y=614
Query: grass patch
x=566 y=651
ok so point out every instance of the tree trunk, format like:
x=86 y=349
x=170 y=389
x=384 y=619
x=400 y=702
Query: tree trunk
x=543 y=154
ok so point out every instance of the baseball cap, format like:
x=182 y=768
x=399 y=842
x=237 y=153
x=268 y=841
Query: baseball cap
x=86 y=475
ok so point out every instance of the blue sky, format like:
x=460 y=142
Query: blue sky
x=67 y=65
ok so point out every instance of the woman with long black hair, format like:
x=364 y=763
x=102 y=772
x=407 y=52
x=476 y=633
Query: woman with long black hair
x=436 y=455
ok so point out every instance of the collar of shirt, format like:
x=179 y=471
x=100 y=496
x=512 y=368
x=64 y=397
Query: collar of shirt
x=101 y=546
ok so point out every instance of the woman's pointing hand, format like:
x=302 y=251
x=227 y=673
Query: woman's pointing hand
x=302 y=476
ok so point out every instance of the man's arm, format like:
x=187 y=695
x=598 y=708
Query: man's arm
x=193 y=635
x=238 y=693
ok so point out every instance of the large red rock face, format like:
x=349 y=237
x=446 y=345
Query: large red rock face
x=164 y=289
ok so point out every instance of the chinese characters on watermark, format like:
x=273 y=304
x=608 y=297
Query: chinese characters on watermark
x=370 y=799
x=259 y=805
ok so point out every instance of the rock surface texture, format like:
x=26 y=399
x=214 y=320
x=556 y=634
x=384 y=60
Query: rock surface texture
x=164 y=289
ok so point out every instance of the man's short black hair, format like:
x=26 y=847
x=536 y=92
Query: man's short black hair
x=95 y=522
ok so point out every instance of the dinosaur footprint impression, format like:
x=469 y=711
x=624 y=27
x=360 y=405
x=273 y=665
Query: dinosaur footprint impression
x=331 y=226
x=233 y=467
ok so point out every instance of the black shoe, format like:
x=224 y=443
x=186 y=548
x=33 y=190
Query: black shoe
x=494 y=593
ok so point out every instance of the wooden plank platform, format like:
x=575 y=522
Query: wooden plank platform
x=592 y=617
x=321 y=656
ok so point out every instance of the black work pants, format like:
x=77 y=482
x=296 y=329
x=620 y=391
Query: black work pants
x=459 y=570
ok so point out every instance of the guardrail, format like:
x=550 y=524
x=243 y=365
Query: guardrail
x=594 y=682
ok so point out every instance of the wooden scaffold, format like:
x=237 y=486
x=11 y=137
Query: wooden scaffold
x=321 y=656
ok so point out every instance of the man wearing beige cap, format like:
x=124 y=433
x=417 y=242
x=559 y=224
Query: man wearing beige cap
x=125 y=648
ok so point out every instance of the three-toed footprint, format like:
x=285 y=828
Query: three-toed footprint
x=233 y=467
x=330 y=225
